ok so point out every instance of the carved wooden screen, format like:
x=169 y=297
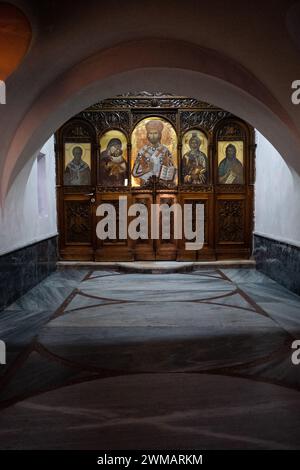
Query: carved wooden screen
x=205 y=156
x=233 y=159
x=76 y=183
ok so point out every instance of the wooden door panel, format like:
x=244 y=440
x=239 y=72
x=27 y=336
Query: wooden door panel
x=144 y=249
x=76 y=238
x=207 y=251
x=231 y=226
x=115 y=249
x=166 y=248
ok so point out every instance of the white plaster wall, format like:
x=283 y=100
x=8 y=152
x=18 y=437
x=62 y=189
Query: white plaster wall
x=277 y=195
x=20 y=222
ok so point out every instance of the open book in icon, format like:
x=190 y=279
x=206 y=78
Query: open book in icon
x=167 y=173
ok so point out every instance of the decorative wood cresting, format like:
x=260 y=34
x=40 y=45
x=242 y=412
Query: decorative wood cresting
x=155 y=148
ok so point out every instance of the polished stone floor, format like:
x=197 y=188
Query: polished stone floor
x=98 y=359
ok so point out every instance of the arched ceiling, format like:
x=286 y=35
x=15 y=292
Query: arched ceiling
x=239 y=57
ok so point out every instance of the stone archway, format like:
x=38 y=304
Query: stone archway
x=151 y=64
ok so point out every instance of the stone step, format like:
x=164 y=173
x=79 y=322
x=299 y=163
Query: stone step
x=157 y=267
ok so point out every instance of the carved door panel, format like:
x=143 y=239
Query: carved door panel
x=186 y=252
x=76 y=181
x=166 y=245
x=116 y=246
x=77 y=237
x=232 y=237
x=144 y=248
x=132 y=238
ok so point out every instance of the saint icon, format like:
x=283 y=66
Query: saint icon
x=194 y=162
x=154 y=158
x=77 y=171
x=113 y=164
x=230 y=169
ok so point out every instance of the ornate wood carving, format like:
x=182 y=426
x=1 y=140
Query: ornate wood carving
x=77 y=130
x=77 y=189
x=108 y=120
x=78 y=221
x=156 y=184
x=204 y=119
x=230 y=188
x=231 y=221
x=196 y=188
x=139 y=116
x=231 y=131
x=113 y=189
x=149 y=100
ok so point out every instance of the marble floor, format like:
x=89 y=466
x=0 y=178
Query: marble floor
x=98 y=359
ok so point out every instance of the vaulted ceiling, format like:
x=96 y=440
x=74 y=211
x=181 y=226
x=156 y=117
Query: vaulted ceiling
x=242 y=56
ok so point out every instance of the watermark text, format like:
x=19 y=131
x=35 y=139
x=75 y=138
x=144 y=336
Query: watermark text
x=295 y=97
x=164 y=221
x=296 y=353
x=2 y=92
x=2 y=352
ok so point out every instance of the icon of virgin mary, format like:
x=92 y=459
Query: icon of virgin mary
x=113 y=166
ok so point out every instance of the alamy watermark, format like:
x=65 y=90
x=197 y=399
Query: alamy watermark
x=295 y=97
x=2 y=353
x=188 y=222
x=296 y=353
x=2 y=92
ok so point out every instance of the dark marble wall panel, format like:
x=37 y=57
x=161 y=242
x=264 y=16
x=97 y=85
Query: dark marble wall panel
x=22 y=269
x=278 y=260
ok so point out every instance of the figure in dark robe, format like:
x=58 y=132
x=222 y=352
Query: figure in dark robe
x=77 y=171
x=230 y=169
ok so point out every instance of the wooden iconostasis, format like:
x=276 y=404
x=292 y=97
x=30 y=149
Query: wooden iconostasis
x=161 y=149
